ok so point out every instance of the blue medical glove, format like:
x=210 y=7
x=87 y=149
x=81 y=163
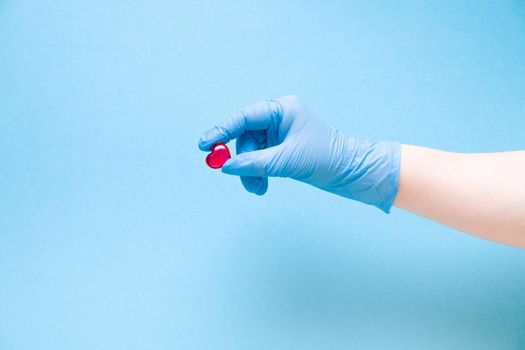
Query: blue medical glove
x=282 y=138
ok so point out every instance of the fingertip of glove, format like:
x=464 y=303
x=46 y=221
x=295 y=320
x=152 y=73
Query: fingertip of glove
x=203 y=144
x=259 y=190
x=255 y=185
x=229 y=167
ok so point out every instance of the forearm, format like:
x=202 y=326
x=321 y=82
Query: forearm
x=481 y=194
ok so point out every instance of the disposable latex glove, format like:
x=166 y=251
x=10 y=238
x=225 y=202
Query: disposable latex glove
x=281 y=138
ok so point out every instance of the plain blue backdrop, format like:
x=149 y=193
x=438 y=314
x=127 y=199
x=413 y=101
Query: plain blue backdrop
x=115 y=235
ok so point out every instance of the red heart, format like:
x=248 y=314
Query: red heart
x=218 y=156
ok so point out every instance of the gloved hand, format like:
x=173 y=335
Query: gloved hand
x=282 y=138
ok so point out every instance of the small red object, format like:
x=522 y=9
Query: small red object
x=218 y=156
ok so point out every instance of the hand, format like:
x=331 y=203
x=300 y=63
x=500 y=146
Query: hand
x=281 y=138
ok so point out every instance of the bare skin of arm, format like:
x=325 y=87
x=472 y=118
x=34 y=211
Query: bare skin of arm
x=480 y=194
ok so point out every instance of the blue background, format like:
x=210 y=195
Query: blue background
x=115 y=235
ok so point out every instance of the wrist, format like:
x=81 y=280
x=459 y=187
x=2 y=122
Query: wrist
x=372 y=173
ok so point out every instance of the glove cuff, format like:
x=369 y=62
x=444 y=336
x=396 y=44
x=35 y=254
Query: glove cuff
x=388 y=186
x=373 y=175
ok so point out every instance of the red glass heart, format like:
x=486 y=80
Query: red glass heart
x=218 y=156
